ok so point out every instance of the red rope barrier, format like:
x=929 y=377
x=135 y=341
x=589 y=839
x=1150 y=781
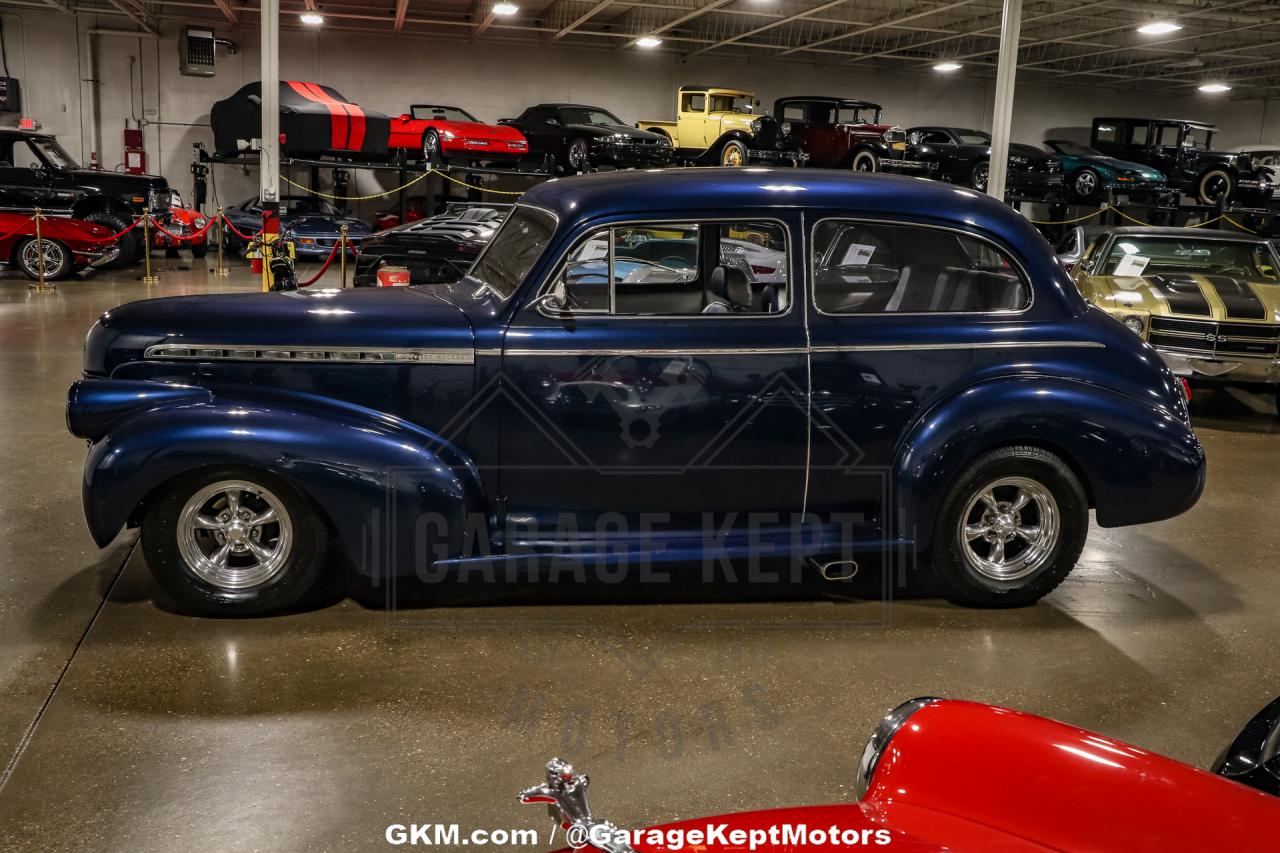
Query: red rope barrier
x=237 y=231
x=114 y=237
x=323 y=269
x=194 y=235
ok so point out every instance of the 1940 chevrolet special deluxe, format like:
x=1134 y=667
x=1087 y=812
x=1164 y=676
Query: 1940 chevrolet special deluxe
x=668 y=365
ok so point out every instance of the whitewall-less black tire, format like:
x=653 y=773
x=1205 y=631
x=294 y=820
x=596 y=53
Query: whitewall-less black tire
x=1010 y=529
x=233 y=542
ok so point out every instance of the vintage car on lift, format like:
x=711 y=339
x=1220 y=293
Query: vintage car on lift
x=719 y=126
x=442 y=135
x=963 y=156
x=1090 y=174
x=68 y=245
x=1062 y=788
x=579 y=397
x=841 y=133
x=575 y=138
x=1182 y=151
x=315 y=120
x=1208 y=301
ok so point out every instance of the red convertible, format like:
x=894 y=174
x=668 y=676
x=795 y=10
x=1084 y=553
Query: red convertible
x=69 y=245
x=439 y=134
x=939 y=774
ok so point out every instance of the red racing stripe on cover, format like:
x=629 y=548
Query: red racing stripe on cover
x=355 y=117
x=337 y=115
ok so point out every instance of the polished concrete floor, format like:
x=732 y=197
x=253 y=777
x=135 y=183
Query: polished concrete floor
x=127 y=726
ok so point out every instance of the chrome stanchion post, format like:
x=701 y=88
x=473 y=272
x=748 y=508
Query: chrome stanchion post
x=41 y=284
x=343 y=260
x=147 y=277
x=221 y=269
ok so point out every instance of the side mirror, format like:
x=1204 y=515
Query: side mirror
x=552 y=300
x=404 y=117
x=553 y=122
x=1071 y=249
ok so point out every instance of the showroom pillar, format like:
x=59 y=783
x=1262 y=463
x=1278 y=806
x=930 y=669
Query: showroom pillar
x=1002 y=120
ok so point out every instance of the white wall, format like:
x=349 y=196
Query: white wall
x=493 y=80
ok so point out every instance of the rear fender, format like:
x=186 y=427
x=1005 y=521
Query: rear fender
x=1138 y=462
x=398 y=496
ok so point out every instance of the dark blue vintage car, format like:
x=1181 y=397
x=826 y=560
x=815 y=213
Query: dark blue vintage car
x=917 y=374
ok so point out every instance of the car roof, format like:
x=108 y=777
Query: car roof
x=1166 y=231
x=762 y=190
x=724 y=89
x=1189 y=121
x=828 y=99
x=559 y=105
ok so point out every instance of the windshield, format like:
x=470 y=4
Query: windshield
x=1138 y=256
x=732 y=103
x=1265 y=158
x=588 y=115
x=54 y=153
x=973 y=137
x=1075 y=149
x=518 y=244
x=431 y=112
x=175 y=199
x=309 y=206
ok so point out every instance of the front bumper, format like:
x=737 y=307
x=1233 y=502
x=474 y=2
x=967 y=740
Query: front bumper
x=777 y=155
x=906 y=167
x=471 y=151
x=1227 y=370
x=631 y=154
x=98 y=258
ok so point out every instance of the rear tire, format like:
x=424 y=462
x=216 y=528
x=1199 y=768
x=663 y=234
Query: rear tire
x=1010 y=529
x=207 y=553
x=131 y=247
x=57 y=259
x=980 y=176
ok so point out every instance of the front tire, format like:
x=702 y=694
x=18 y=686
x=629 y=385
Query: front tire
x=1085 y=183
x=1213 y=185
x=57 y=260
x=1010 y=529
x=233 y=542
x=734 y=153
x=432 y=154
x=578 y=156
x=199 y=250
x=131 y=247
x=980 y=176
x=865 y=161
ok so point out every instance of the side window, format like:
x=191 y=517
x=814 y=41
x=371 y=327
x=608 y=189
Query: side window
x=873 y=268
x=1168 y=135
x=936 y=137
x=1140 y=134
x=1105 y=133
x=795 y=113
x=24 y=156
x=677 y=269
x=6 y=153
x=694 y=102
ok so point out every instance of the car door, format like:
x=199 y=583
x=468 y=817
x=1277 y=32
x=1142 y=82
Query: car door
x=25 y=177
x=692 y=130
x=895 y=314
x=1163 y=150
x=544 y=129
x=654 y=400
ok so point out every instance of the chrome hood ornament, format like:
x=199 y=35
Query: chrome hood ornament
x=565 y=795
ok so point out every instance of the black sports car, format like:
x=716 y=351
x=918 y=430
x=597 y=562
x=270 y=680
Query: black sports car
x=438 y=250
x=314 y=120
x=963 y=156
x=577 y=138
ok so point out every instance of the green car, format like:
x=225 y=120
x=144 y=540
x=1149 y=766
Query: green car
x=1089 y=173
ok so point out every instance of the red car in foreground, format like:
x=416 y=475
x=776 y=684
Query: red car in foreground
x=69 y=245
x=440 y=134
x=940 y=774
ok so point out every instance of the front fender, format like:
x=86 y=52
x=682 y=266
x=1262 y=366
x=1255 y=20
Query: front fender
x=1138 y=461
x=374 y=477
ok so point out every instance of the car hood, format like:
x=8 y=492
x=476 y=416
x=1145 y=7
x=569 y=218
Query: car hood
x=1122 y=166
x=326 y=225
x=607 y=129
x=374 y=320
x=120 y=181
x=1189 y=296
x=479 y=129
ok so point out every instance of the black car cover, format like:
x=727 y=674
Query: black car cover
x=314 y=119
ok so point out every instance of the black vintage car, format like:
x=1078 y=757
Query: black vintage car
x=963 y=156
x=578 y=138
x=1183 y=151
x=438 y=250
x=35 y=171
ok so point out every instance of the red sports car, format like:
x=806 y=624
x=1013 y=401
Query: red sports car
x=948 y=775
x=184 y=223
x=440 y=134
x=69 y=245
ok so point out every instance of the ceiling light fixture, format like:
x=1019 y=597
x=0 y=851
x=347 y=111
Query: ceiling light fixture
x=1159 y=28
x=506 y=10
x=947 y=67
x=648 y=41
x=1214 y=88
x=314 y=19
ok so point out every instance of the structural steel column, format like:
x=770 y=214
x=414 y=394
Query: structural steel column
x=270 y=76
x=1002 y=120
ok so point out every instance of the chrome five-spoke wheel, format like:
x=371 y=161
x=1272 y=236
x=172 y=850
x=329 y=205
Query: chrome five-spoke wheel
x=1009 y=528
x=235 y=535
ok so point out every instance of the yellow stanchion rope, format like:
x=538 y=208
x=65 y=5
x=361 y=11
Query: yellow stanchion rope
x=1070 y=221
x=395 y=190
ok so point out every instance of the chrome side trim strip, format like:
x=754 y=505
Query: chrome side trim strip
x=963 y=346
x=288 y=352
x=673 y=353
